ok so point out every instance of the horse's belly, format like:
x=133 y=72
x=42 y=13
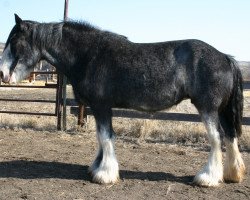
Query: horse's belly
x=155 y=104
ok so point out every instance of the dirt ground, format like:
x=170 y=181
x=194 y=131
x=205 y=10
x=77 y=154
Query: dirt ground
x=42 y=163
x=45 y=165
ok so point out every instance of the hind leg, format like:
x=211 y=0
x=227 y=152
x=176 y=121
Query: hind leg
x=234 y=168
x=212 y=173
x=105 y=167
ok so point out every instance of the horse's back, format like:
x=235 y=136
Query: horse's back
x=158 y=75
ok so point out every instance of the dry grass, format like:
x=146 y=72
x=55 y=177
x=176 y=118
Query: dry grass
x=247 y=93
x=130 y=129
x=189 y=133
x=138 y=130
x=158 y=131
x=20 y=122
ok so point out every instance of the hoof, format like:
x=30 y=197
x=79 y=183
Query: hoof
x=104 y=178
x=208 y=178
x=105 y=174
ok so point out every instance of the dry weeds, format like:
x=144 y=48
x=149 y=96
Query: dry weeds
x=138 y=130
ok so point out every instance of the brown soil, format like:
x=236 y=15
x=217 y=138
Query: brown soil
x=44 y=165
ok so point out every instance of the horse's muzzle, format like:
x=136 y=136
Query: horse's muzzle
x=5 y=77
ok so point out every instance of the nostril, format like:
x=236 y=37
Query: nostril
x=5 y=77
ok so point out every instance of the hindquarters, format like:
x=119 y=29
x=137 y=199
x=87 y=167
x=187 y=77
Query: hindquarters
x=219 y=88
x=215 y=84
x=217 y=94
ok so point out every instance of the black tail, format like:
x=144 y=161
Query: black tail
x=233 y=112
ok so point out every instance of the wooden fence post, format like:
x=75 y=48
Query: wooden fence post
x=82 y=115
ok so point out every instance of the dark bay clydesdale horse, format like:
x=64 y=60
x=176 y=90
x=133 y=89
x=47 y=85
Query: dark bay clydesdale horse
x=106 y=70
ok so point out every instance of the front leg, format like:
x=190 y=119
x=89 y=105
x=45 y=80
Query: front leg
x=105 y=167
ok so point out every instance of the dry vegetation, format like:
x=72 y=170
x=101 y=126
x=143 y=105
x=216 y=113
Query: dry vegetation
x=137 y=130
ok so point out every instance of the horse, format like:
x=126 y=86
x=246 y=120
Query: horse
x=107 y=70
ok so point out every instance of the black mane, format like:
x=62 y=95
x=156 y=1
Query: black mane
x=47 y=33
x=84 y=26
x=81 y=26
x=51 y=33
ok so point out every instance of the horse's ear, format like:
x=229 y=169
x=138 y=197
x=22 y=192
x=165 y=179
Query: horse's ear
x=21 y=24
x=18 y=19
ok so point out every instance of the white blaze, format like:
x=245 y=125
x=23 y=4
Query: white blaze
x=5 y=64
x=20 y=71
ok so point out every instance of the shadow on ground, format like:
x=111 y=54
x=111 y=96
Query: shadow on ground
x=24 y=169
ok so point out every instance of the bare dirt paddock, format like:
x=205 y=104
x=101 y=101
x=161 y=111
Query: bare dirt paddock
x=38 y=162
x=44 y=165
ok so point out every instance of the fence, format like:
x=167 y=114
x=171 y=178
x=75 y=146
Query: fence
x=58 y=101
x=83 y=111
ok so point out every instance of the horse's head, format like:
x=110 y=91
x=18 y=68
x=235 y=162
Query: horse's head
x=20 y=54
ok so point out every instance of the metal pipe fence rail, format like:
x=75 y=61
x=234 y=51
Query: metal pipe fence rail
x=58 y=101
x=60 y=86
x=82 y=112
x=246 y=85
x=144 y=115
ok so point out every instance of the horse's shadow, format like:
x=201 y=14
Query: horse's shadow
x=24 y=169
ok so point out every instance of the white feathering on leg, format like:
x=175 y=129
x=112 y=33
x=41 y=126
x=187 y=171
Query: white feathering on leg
x=234 y=169
x=108 y=170
x=212 y=173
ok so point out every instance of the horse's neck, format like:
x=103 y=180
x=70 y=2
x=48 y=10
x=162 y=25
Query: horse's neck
x=60 y=52
x=50 y=57
x=48 y=38
x=57 y=58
